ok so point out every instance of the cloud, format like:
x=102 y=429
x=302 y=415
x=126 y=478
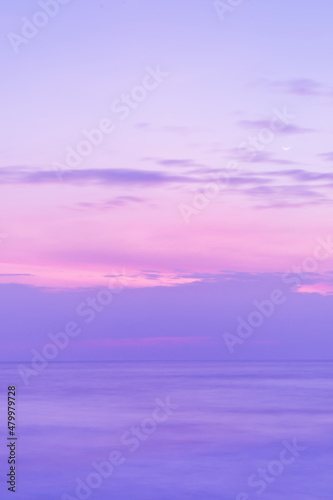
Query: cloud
x=172 y=162
x=151 y=275
x=14 y=274
x=287 y=204
x=284 y=188
x=302 y=87
x=288 y=129
x=178 y=163
x=327 y=156
x=186 y=315
x=273 y=189
x=312 y=282
x=260 y=157
x=179 y=130
x=107 y=176
x=142 y=125
x=119 y=201
x=304 y=175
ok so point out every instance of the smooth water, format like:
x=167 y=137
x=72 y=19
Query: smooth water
x=231 y=419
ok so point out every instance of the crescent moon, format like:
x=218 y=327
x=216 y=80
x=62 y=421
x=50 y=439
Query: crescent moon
x=286 y=148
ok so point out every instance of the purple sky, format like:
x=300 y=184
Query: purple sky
x=189 y=155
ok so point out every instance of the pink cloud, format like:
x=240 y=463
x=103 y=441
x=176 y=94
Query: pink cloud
x=321 y=288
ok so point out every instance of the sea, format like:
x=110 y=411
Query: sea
x=170 y=431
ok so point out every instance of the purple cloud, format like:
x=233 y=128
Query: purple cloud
x=327 y=156
x=188 y=311
x=288 y=129
x=119 y=201
x=16 y=274
x=178 y=163
x=274 y=190
x=262 y=157
x=302 y=87
x=90 y=176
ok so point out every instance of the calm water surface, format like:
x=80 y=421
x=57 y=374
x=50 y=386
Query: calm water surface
x=230 y=420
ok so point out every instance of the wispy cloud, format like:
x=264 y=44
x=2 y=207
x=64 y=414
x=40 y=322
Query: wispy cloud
x=288 y=129
x=293 y=189
x=90 y=176
x=274 y=189
x=179 y=130
x=16 y=274
x=118 y=201
x=174 y=162
x=303 y=87
x=327 y=156
x=303 y=175
x=263 y=157
x=284 y=188
x=170 y=162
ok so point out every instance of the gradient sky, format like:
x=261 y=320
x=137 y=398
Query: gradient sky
x=119 y=211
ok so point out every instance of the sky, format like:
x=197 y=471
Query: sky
x=179 y=153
